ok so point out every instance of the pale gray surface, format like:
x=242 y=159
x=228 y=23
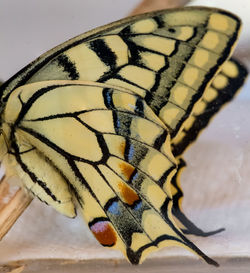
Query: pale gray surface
x=172 y=265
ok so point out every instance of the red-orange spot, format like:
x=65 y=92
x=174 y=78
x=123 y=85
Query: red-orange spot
x=104 y=233
x=128 y=194
x=126 y=169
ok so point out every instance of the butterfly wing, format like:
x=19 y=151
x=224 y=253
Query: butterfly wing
x=167 y=57
x=223 y=89
x=105 y=144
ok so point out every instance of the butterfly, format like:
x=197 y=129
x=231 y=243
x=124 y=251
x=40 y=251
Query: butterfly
x=102 y=121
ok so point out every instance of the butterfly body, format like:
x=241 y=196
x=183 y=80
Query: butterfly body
x=100 y=120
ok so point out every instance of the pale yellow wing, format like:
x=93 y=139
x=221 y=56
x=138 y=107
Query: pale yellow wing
x=223 y=89
x=110 y=150
x=164 y=61
x=167 y=57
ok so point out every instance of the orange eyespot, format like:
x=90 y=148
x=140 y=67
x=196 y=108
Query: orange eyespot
x=104 y=233
x=129 y=195
x=126 y=170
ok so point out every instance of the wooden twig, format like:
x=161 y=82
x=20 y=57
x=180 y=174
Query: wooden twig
x=13 y=202
x=150 y=5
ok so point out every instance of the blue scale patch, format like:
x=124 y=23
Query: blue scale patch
x=114 y=208
x=135 y=176
x=138 y=206
x=107 y=95
x=109 y=98
x=131 y=152
x=118 y=124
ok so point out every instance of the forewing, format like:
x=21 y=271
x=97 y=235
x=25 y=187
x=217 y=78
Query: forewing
x=167 y=57
x=222 y=89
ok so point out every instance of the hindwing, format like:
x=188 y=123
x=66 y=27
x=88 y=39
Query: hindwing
x=110 y=149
